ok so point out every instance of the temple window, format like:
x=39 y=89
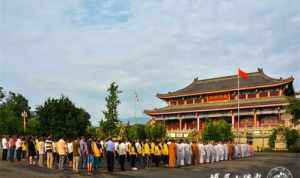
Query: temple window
x=232 y=96
x=173 y=102
x=251 y=94
x=263 y=93
x=181 y=102
x=274 y=92
x=198 y=100
x=242 y=96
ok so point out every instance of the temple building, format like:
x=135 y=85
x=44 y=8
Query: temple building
x=262 y=106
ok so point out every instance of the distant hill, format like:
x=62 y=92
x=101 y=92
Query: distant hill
x=137 y=120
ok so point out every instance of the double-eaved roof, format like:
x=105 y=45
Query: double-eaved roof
x=228 y=83
x=231 y=105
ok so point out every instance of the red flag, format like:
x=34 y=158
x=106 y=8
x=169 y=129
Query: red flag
x=243 y=74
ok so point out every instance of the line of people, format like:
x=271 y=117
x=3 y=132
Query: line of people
x=87 y=154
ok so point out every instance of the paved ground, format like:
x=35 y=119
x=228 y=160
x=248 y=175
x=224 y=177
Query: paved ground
x=261 y=163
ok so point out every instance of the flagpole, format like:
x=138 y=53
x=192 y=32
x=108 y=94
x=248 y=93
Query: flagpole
x=238 y=129
x=135 y=103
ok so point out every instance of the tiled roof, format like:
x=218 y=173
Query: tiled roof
x=228 y=83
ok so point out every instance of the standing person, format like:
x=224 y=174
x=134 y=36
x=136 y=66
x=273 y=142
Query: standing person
x=212 y=152
x=165 y=153
x=172 y=154
x=76 y=155
x=202 y=154
x=4 y=143
x=139 y=152
x=11 y=148
x=70 y=152
x=41 y=150
x=61 y=150
x=133 y=155
x=31 y=151
x=195 y=153
x=97 y=150
x=237 y=152
x=49 y=151
x=19 y=149
x=110 y=154
x=207 y=151
x=24 y=148
x=122 y=154
x=157 y=154
x=147 y=153
x=230 y=150
x=225 y=148
x=180 y=153
x=152 y=151
x=83 y=152
x=90 y=157
x=250 y=149
x=187 y=153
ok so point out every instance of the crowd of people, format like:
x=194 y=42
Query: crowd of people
x=87 y=154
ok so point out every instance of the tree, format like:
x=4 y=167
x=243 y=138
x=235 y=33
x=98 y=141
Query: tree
x=110 y=122
x=11 y=107
x=218 y=131
x=155 y=131
x=61 y=118
x=294 y=109
x=136 y=132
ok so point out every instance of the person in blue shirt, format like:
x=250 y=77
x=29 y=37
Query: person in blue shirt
x=110 y=154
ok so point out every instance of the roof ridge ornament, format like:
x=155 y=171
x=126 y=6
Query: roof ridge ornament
x=261 y=70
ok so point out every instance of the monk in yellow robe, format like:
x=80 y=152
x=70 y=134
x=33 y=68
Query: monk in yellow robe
x=172 y=155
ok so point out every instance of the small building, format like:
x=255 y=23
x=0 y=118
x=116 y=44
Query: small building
x=262 y=106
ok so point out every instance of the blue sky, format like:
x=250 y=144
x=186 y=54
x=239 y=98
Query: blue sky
x=78 y=47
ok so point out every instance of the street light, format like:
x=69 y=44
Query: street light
x=24 y=116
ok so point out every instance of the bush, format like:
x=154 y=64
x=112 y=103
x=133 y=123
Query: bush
x=291 y=137
x=136 y=132
x=155 y=131
x=272 y=138
x=218 y=131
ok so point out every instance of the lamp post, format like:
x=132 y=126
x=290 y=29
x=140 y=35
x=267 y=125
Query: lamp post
x=24 y=116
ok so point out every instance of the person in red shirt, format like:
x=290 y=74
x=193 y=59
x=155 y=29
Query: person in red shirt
x=11 y=148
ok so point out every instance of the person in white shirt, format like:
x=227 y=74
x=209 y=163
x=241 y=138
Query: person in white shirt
x=216 y=152
x=208 y=153
x=201 y=153
x=225 y=145
x=180 y=153
x=19 y=149
x=4 y=144
x=41 y=150
x=213 y=153
x=122 y=150
x=221 y=151
x=187 y=153
x=70 y=152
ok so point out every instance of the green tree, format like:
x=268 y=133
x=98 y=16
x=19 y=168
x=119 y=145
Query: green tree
x=60 y=117
x=155 y=131
x=11 y=107
x=110 y=122
x=218 y=131
x=136 y=132
x=294 y=109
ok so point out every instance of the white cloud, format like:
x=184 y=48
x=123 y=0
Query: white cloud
x=78 y=47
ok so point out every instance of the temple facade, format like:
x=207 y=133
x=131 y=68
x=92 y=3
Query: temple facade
x=262 y=106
